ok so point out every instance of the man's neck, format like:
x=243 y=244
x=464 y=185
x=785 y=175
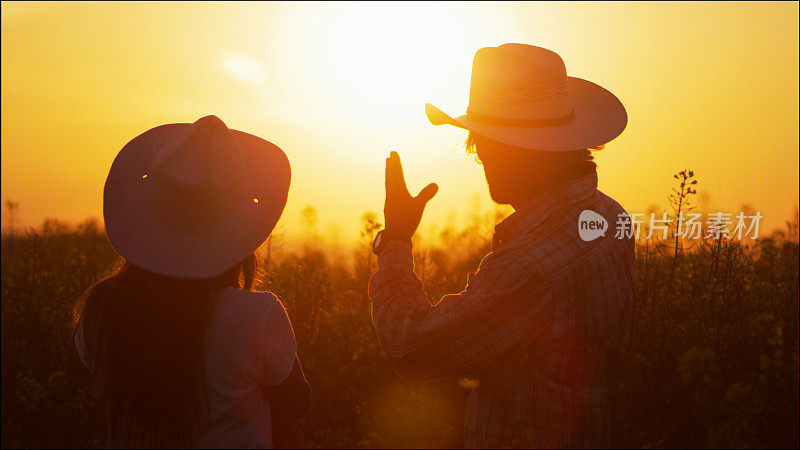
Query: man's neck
x=523 y=200
x=535 y=191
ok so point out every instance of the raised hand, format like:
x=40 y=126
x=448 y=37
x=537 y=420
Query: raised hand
x=401 y=211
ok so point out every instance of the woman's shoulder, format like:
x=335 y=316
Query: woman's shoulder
x=252 y=303
x=252 y=316
x=248 y=327
x=249 y=296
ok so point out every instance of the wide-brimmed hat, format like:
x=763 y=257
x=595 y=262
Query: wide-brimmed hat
x=521 y=95
x=191 y=200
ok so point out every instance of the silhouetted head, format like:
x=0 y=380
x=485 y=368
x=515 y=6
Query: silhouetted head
x=515 y=175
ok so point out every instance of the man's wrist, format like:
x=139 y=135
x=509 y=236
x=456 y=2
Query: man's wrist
x=395 y=234
x=396 y=255
x=387 y=235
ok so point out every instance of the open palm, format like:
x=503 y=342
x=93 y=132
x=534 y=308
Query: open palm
x=401 y=211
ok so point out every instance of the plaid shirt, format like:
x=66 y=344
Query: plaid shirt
x=534 y=324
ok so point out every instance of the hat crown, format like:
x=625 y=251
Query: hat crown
x=204 y=155
x=520 y=95
x=191 y=200
x=519 y=82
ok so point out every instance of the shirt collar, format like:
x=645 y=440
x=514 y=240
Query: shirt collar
x=535 y=211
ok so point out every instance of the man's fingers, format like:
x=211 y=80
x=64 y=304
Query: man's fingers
x=427 y=193
x=387 y=176
x=397 y=169
x=395 y=180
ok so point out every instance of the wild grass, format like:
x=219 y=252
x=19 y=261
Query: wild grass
x=714 y=364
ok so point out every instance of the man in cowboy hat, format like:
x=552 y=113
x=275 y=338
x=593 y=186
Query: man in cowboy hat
x=539 y=322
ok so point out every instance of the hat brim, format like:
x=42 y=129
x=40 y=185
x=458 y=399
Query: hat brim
x=138 y=234
x=599 y=118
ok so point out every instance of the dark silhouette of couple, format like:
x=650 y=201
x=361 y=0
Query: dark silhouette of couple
x=185 y=354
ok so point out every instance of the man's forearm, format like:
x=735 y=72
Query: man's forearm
x=395 y=283
x=462 y=332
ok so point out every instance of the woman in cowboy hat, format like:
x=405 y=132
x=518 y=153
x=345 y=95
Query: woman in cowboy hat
x=183 y=352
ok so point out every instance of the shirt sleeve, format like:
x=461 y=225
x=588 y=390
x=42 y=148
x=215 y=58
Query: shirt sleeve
x=463 y=332
x=278 y=339
x=292 y=396
x=80 y=344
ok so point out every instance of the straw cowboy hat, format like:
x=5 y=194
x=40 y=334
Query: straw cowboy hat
x=191 y=200
x=521 y=95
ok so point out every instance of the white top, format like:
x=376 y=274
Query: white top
x=250 y=344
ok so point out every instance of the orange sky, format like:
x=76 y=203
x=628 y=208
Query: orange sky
x=712 y=87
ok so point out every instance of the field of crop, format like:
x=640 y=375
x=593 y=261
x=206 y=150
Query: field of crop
x=715 y=360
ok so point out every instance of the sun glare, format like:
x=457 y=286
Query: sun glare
x=394 y=54
x=244 y=68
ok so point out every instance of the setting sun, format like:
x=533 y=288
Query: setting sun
x=391 y=54
x=400 y=224
x=340 y=85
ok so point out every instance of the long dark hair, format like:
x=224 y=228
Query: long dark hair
x=144 y=335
